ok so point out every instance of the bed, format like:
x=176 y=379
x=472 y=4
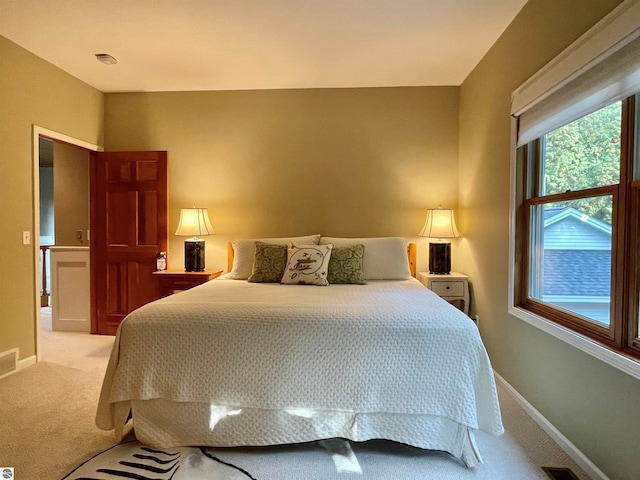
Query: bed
x=237 y=363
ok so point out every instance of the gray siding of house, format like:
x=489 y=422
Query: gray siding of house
x=563 y=234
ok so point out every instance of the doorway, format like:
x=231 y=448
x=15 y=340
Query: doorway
x=49 y=143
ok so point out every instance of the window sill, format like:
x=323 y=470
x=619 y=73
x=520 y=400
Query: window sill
x=626 y=364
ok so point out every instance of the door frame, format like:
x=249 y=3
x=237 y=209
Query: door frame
x=35 y=237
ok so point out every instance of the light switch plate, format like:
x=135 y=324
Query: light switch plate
x=26 y=237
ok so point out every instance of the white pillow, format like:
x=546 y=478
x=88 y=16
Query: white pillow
x=243 y=252
x=385 y=258
x=307 y=265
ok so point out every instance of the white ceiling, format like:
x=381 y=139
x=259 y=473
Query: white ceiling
x=175 y=45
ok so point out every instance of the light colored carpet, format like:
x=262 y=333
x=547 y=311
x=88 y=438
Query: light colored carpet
x=47 y=414
x=47 y=410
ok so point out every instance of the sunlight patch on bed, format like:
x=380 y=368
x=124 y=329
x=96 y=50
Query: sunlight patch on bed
x=220 y=412
x=302 y=412
x=327 y=423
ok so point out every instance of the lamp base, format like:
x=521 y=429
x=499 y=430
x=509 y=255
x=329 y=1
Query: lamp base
x=440 y=258
x=194 y=255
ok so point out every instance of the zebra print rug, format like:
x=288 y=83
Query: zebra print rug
x=137 y=461
x=326 y=459
x=333 y=459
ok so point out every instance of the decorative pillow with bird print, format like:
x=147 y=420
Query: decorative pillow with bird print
x=307 y=264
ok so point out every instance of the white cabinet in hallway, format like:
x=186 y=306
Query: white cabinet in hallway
x=70 y=293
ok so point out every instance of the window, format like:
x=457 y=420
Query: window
x=577 y=224
x=575 y=211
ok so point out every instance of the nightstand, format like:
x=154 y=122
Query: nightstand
x=172 y=281
x=453 y=288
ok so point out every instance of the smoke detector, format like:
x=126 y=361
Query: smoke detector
x=106 y=58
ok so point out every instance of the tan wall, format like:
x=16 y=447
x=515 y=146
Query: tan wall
x=32 y=91
x=70 y=194
x=341 y=162
x=594 y=405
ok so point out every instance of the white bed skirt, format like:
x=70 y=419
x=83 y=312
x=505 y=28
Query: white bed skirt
x=163 y=423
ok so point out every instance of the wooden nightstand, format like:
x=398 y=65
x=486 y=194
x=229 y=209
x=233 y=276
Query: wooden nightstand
x=172 y=281
x=453 y=288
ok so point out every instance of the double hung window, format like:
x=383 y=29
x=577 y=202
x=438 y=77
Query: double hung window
x=577 y=222
x=576 y=211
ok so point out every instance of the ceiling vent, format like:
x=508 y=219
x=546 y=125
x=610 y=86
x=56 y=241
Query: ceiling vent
x=106 y=58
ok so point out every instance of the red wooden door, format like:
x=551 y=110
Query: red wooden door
x=128 y=228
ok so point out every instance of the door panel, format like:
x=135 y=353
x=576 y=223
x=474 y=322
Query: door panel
x=128 y=228
x=147 y=209
x=118 y=222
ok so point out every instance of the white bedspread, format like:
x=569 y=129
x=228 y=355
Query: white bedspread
x=389 y=347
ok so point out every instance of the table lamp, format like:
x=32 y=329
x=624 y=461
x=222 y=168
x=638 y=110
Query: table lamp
x=194 y=222
x=440 y=224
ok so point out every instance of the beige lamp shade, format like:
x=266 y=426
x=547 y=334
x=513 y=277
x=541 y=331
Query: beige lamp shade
x=440 y=223
x=194 y=222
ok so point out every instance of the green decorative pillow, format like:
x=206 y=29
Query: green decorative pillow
x=347 y=265
x=269 y=262
x=307 y=265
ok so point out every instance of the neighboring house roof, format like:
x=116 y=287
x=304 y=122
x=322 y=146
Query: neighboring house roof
x=577 y=254
x=585 y=273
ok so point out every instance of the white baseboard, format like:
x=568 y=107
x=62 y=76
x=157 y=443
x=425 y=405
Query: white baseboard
x=580 y=458
x=27 y=362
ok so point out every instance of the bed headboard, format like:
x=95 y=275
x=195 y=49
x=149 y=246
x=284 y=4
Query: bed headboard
x=411 y=254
